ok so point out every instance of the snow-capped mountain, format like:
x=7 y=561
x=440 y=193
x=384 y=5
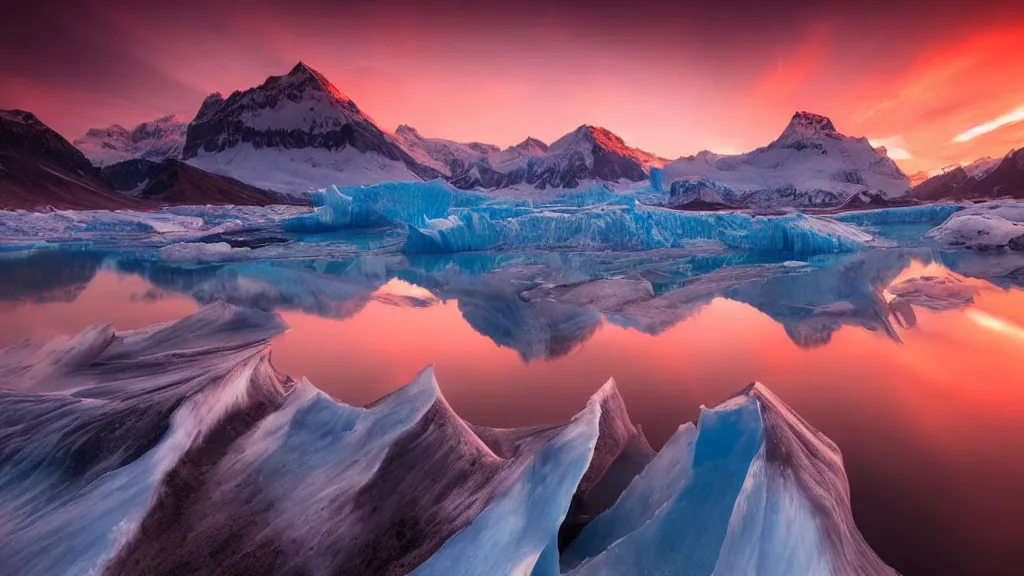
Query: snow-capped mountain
x=982 y=166
x=809 y=165
x=294 y=133
x=445 y=156
x=983 y=178
x=589 y=153
x=39 y=168
x=156 y=140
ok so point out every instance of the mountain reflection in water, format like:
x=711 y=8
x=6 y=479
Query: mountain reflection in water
x=906 y=358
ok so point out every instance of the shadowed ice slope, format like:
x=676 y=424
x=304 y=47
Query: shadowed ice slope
x=178 y=449
x=753 y=490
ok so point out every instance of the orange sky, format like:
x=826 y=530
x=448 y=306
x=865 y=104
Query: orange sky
x=669 y=79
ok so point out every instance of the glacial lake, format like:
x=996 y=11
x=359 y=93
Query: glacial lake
x=924 y=398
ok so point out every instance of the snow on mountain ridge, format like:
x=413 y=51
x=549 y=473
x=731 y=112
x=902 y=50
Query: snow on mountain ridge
x=586 y=138
x=806 y=126
x=982 y=166
x=155 y=140
x=810 y=164
x=586 y=154
x=445 y=156
x=983 y=178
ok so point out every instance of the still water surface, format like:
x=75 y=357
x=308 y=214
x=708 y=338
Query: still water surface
x=928 y=412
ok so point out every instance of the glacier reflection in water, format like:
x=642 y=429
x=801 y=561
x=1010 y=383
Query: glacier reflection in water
x=849 y=340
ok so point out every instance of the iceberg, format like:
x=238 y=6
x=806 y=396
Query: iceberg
x=383 y=205
x=180 y=449
x=993 y=225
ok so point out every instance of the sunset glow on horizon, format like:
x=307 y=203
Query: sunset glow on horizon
x=933 y=85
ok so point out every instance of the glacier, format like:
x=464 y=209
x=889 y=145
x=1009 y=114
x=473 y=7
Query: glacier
x=636 y=227
x=179 y=448
x=385 y=204
x=433 y=218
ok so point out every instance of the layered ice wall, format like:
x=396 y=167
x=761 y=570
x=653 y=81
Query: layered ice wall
x=179 y=449
x=635 y=227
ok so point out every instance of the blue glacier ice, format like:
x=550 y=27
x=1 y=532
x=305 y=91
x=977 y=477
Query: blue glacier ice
x=685 y=534
x=385 y=204
x=657 y=178
x=760 y=492
x=926 y=214
x=659 y=482
x=636 y=227
x=517 y=533
x=592 y=196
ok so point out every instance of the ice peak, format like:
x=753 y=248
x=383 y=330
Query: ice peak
x=423 y=387
x=608 y=392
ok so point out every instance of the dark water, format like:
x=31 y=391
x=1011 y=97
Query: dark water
x=926 y=405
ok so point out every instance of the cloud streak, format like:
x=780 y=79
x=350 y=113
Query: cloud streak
x=991 y=126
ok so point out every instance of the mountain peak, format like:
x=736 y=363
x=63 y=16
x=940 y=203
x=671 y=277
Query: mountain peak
x=587 y=136
x=407 y=131
x=531 y=143
x=807 y=126
x=154 y=140
x=302 y=77
x=22 y=117
x=301 y=68
x=591 y=138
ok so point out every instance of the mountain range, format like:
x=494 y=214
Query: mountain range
x=984 y=178
x=298 y=132
x=156 y=140
x=38 y=167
